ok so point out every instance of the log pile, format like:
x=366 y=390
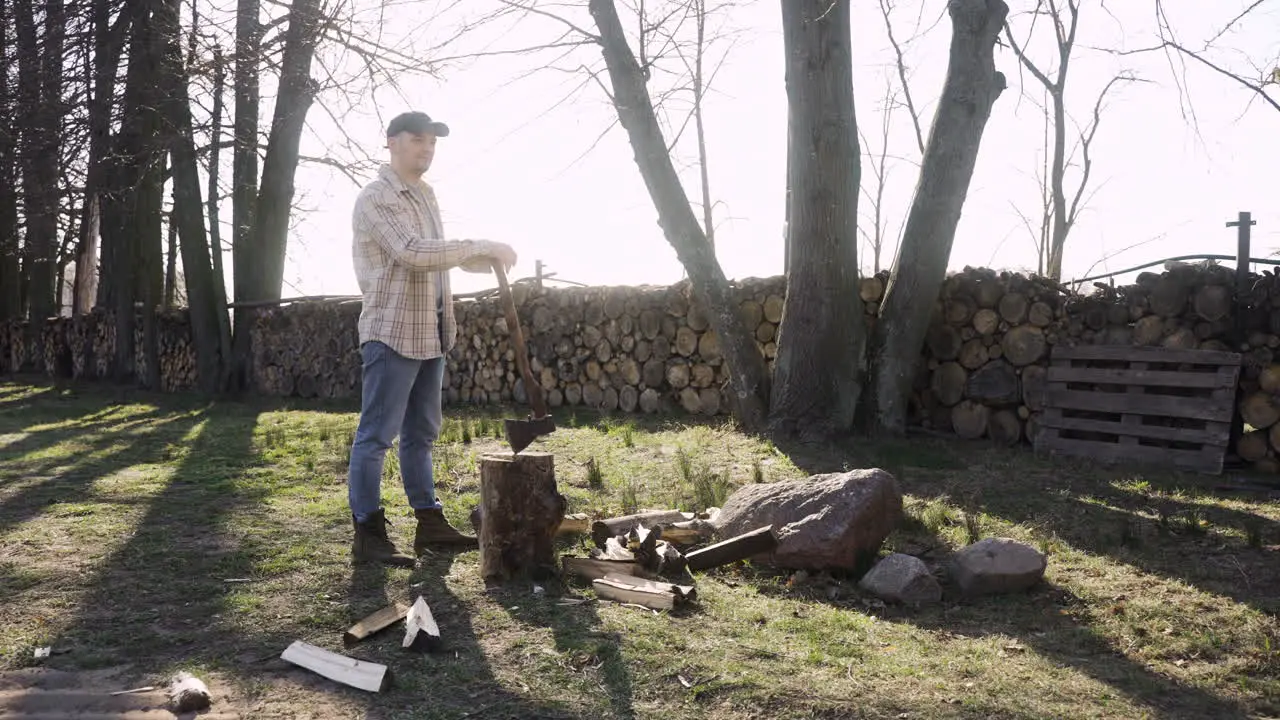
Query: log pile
x=992 y=333
x=307 y=350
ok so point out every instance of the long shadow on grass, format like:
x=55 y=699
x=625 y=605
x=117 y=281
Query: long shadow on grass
x=458 y=680
x=158 y=597
x=109 y=452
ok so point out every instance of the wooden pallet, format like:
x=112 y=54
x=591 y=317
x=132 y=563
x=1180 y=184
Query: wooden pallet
x=1140 y=404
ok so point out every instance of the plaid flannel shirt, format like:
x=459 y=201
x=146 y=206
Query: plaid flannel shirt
x=402 y=265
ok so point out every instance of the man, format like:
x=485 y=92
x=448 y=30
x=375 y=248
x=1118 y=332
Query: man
x=406 y=327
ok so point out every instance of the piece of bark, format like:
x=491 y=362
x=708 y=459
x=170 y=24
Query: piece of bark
x=359 y=674
x=421 y=633
x=521 y=510
x=374 y=623
x=612 y=527
x=757 y=542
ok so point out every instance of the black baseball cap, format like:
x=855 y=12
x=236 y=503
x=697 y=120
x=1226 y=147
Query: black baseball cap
x=416 y=123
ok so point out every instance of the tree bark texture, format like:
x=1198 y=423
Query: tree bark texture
x=749 y=376
x=244 y=179
x=821 y=357
x=204 y=300
x=275 y=196
x=971 y=88
x=10 y=265
x=40 y=92
x=521 y=510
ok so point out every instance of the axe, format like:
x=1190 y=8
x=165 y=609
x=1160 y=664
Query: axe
x=521 y=433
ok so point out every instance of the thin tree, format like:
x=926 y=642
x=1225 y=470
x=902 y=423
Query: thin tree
x=1064 y=211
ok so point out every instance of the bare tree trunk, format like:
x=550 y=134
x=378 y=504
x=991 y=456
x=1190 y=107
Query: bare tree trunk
x=748 y=372
x=1060 y=226
x=203 y=300
x=40 y=84
x=108 y=41
x=275 y=196
x=10 y=267
x=245 y=258
x=215 y=222
x=971 y=88
x=817 y=376
x=171 y=256
x=699 y=89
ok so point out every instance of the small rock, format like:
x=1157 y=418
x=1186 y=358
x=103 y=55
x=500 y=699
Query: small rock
x=902 y=579
x=997 y=565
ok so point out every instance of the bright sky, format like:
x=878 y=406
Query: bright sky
x=514 y=167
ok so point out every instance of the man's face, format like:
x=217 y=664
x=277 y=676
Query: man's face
x=413 y=151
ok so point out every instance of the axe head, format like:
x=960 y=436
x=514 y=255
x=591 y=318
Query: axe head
x=522 y=433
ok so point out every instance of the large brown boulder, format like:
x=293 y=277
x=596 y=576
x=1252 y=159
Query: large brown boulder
x=831 y=521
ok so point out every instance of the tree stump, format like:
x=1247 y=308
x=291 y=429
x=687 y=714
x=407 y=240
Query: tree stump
x=522 y=511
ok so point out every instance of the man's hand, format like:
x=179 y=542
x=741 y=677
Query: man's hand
x=500 y=252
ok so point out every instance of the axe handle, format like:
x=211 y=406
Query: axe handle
x=531 y=386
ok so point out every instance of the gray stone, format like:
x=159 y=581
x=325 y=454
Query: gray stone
x=829 y=521
x=997 y=565
x=902 y=579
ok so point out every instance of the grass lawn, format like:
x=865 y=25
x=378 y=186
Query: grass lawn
x=124 y=515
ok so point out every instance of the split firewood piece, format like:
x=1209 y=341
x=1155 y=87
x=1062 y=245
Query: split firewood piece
x=602 y=530
x=613 y=549
x=574 y=524
x=689 y=532
x=642 y=540
x=377 y=622
x=656 y=599
x=757 y=542
x=671 y=561
x=682 y=592
x=188 y=694
x=421 y=634
x=359 y=674
x=592 y=569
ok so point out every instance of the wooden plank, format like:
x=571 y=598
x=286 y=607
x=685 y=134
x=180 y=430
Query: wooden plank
x=1196 y=460
x=1132 y=420
x=1145 y=354
x=378 y=621
x=1217 y=435
x=360 y=674
x=1116 y=376
x=1162 y=405
x=756 y=542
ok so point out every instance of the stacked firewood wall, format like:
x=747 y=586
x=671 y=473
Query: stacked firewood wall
x=989 y=343
x=650 y=349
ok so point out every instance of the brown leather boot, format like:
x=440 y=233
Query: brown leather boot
x=371 y=543
x=434 y=529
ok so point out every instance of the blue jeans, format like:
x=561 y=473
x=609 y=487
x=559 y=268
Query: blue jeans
x=398 y=396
